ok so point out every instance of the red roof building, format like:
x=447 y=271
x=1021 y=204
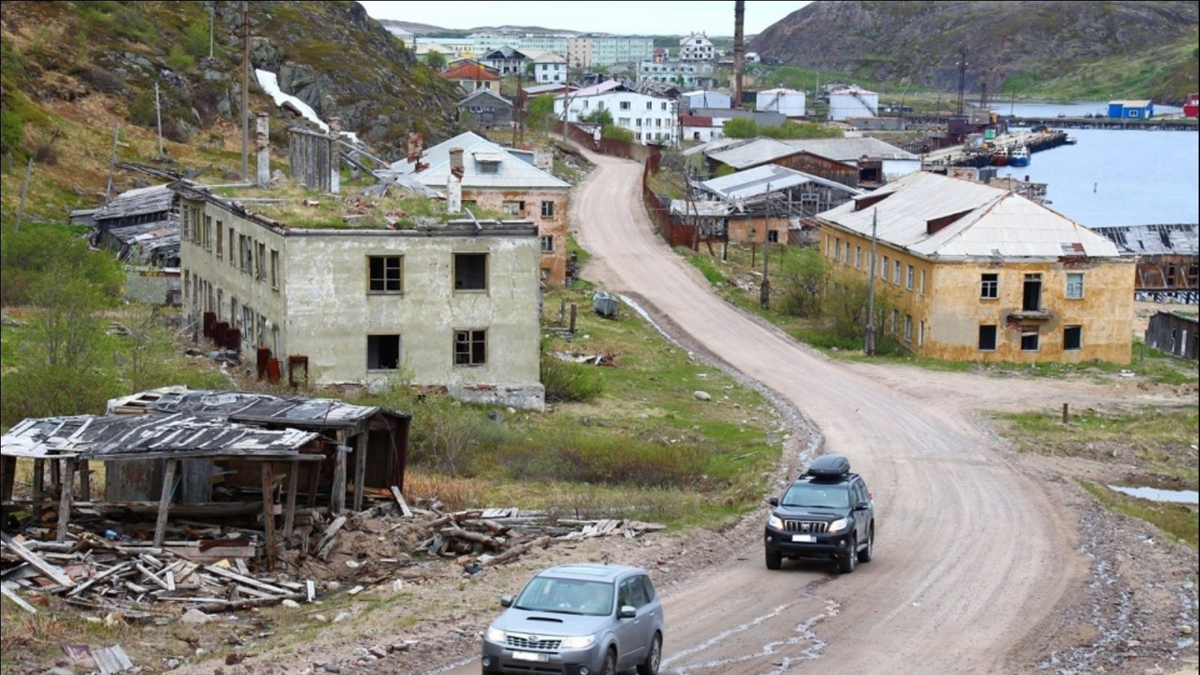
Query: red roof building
x=473 y=76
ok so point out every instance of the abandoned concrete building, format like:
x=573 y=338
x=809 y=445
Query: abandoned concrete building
x=970 y=272
x=499 y=180
x=447 y=307
x=1168 y=268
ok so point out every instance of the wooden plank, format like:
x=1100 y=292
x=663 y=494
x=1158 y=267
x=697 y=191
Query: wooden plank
x=8 y=475
x=152 y=577
x=39 y=487
x=310 y=590
x=249 y=581
x=85 y=481
x=64 y=501
x=50 y=571
x=17 y=600
x=268 y=482
x=337 y=500
x=164 y=502
x=329 y=537
x=114 y=570
x=289 y=518
x=360 y=471
x=314 y=482
x=404 y=510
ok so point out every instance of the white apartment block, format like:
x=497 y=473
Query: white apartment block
x=651 y=119
x=696 y=47
x=683 y=74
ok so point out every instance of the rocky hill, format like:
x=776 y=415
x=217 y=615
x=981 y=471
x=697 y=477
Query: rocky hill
x=1102 y=48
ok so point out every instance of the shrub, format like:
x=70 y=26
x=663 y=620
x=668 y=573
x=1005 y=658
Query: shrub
x=141 y=109
x=195 y=38
x=616 y=133
x=565 y=381
x=179 y=60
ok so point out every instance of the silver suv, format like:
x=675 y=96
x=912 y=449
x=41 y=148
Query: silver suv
x=585 y=619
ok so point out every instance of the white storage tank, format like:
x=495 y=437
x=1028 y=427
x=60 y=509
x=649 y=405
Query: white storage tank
x=847 y=103
x=787 y=101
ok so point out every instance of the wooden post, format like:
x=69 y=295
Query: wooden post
x=164 y=502
x=39 y=486
x=8 y=475
x=1066 y=414
x=268 y=484
x=289 y=517
x=360 y=470
x=574 y=309
x=64 y=500
x=337 y=500
x=314 y=481
x=85 y=481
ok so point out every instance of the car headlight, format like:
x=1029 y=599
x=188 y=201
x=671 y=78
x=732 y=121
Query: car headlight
x=495 y=635
x=578 y=642
x=839 y=525
x=775 y=522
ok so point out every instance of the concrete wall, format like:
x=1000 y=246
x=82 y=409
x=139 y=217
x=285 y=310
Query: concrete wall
x=553 y=263
x=947 y=310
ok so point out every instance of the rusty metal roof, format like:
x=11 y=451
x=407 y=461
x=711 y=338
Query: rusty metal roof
x=147 y=436
x=1170 y=239
x=154 y=199
x=250 y=408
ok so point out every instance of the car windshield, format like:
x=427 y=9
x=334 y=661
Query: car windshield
x=567 y=596
x=823 y=496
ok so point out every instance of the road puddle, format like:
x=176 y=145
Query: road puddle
x=1159 y=494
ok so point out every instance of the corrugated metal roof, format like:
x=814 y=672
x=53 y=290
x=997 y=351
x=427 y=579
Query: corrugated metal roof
x=484 y=93
x=714 y=146
x=851 y=149
x=761 y=179
x=703 y=209
x=597 y=89
x=993 y=223
x=237 y=406
x=153 y=199
x=1174 y=239
x=549 y=57
x=753 y=153
x=511 y=173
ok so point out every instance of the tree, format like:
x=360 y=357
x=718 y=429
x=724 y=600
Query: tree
x=616 y=133
x=539 y=112
x=801 y=284
x=435 y=60
x=740 y=127
x=602 y=116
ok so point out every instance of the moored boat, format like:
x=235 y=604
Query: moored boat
x=1070 y=139
x=1000 y=157
x=1019 y=156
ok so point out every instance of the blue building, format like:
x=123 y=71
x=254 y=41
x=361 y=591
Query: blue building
x=1130 y=110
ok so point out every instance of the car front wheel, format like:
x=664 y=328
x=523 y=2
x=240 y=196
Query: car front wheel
x=653 y=659
x=850 y=561
x=868 y=551
x=774 y=560
x=610 y=663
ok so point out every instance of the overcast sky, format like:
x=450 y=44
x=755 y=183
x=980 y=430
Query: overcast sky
x=630 y=18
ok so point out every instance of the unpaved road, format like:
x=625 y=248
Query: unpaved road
x=971 y=560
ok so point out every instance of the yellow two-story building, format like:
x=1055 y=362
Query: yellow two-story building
x=976 y=273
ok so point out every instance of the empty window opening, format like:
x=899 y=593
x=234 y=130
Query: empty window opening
x=383 y=352
x=1072 y=338
x=1029 y=339
x=987 y=338
x=1032 y=301
x=470 y=271
x=384 y=273
x=470 y=347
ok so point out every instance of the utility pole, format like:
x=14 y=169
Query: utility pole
x=764 y=292
x=962 y=78
x=24 y=191
x=158 y=115
x=870 y=346
x=739 y=50
x=520 y=105
x=212 y=13
x=112 y=164
x=245 y=91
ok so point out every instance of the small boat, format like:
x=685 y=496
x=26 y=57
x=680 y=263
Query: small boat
x=1000 y=157
x=1019 y=156
x=1070 y=139
x=605 y=304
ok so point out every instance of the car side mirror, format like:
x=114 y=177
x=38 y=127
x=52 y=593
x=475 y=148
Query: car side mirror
x=626 y=612
x=773 y=501
x=506 y=601
x=862 y=506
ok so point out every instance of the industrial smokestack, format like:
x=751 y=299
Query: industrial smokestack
x=739 y=50
x=262 y=146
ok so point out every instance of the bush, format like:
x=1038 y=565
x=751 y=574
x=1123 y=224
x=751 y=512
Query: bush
x=142 y=111
x=195 y=38
x=616 y=133
x=565 y=381
x=801 y=284
x=179 y=60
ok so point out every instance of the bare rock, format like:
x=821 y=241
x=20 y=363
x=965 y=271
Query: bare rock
x=701 y=395
x=195 y=616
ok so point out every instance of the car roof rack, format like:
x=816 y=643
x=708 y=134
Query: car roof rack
x=828 y=466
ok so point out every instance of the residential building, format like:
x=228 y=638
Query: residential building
x=696 y=47
x=787 y=101
x=450 y=307
x=461 y=47
x=485 y=109
x=753 y=57
x=523 y=42
x=685 y=74
x=1131 y=110
x=550 y=68
x=852 y=161
x=852 y=102
x=1174 y=333
x=504 y=60
x=983 y=274
x=473 y=76
x=651 y=119
x=586 y=51
x=501 y=181
x=661 y=55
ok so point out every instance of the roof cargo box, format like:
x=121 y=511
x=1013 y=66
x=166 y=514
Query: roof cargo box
x=829 y=466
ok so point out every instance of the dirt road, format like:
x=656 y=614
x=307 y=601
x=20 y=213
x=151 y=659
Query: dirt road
x=970 y=557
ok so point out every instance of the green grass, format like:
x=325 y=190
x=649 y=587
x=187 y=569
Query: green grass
x=1178 y=521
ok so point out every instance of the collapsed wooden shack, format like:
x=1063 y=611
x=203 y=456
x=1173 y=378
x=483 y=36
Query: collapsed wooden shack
x=210 y=456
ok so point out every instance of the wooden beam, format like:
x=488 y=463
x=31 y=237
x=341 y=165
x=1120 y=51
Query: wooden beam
x=330 y=536
x=289 y=517
x=360 y=470
x=314 y=482
x=17 y=600
x=268 y=483
x=50 y=571
x=404 y=510
x=164 y=502
x=85 y=481
x=64 y=500
x=8 y=474
x=337 y=501
x=39 y=487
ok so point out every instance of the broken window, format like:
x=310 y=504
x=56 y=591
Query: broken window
x=547 y=243
x=895 y=321
x=384 y=274
x=908 y=280
x=857 y=257
x=883 y=270
x=987 y=338
x=232 y=254
x=220 y=239
x=274 y=269
x=208 y=232
x=896 y=273
x=773 y=238
x=922 y=282
x=921 y=335
x=908 y=326
x=1032 y=300
x=1074 y=285
x=470 y=347
x=260 y=262
x=837 y=249
x=383 y=352
x=489 y=167
x=989 y=286
x=1072 y=338
x=1029 y=339
x=470 y=271
x=513 y=208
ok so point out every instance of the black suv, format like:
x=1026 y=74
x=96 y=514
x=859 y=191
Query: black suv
x=827 y=513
